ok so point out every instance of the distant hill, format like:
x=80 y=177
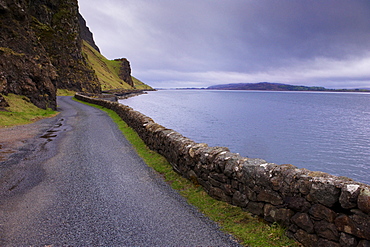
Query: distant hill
x=267 y=86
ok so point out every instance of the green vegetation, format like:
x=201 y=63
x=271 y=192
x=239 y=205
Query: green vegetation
x=22 y=111
x=107 y=71
x=300 y=88
x=7 y=50
x=43 y=31
x=65 y=92
x=249 y=230
x=139 y=84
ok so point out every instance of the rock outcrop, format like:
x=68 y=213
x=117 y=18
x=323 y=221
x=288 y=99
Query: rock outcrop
x=86 y=34
x=56 y=24
x=40 y=51
x=25 y=67
x=125 y=71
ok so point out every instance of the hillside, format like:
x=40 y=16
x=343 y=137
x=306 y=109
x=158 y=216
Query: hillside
x=110 y=72
x=267 y=86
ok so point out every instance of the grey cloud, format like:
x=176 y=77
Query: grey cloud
x=241 y=36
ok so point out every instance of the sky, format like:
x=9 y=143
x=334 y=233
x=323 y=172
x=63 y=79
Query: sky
x=199 y=43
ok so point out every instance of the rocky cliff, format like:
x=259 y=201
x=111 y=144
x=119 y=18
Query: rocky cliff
x=56 y=24
x=86 y=34
x=41 y=50
x=25 y=67
x=125 y=71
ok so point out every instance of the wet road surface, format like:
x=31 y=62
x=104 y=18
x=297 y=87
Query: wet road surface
x=82 y=184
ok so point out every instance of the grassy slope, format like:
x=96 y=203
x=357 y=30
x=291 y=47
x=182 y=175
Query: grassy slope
x=139 y=84
x=108 y=70
x=22 y=111
x=65 y=92
x=251 y=231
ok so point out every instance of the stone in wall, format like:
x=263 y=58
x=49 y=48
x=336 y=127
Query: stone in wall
x=363 y=200
x=319 y=212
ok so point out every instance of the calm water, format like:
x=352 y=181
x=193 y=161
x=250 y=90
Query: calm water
x=319 y=131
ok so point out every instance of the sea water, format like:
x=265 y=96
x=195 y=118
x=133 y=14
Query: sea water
x=320 y=131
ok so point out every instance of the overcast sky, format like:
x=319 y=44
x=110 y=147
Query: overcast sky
x=198 y=43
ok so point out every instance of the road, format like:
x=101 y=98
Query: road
x=83 y=184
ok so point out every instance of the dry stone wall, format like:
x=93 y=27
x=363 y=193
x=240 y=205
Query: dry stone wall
x=317 y=209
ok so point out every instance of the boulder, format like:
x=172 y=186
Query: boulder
x=327 y=230
x=347 y=240
x=363 y=200
x=320 y=212
x=354 y=225
x=349 y=195
x=303 y=221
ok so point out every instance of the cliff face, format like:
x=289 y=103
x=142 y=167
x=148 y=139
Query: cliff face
x=56 y=24
x=25 y=67
x=86 y=34
x=125 y=71
x=41 y=50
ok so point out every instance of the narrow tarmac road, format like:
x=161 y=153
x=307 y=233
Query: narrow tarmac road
x=84 y=185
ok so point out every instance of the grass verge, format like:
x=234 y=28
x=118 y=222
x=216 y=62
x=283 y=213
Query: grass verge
x=65 y=92
x=249 y=230
x=22 y=111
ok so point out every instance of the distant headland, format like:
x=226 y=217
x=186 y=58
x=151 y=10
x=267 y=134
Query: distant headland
x=268 y=86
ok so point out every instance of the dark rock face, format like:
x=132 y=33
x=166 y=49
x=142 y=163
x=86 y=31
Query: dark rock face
x=57 y=26
x=40 y=50
x=125 y=71
x=25 y=68
x=86 y=34
x=3 y=85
